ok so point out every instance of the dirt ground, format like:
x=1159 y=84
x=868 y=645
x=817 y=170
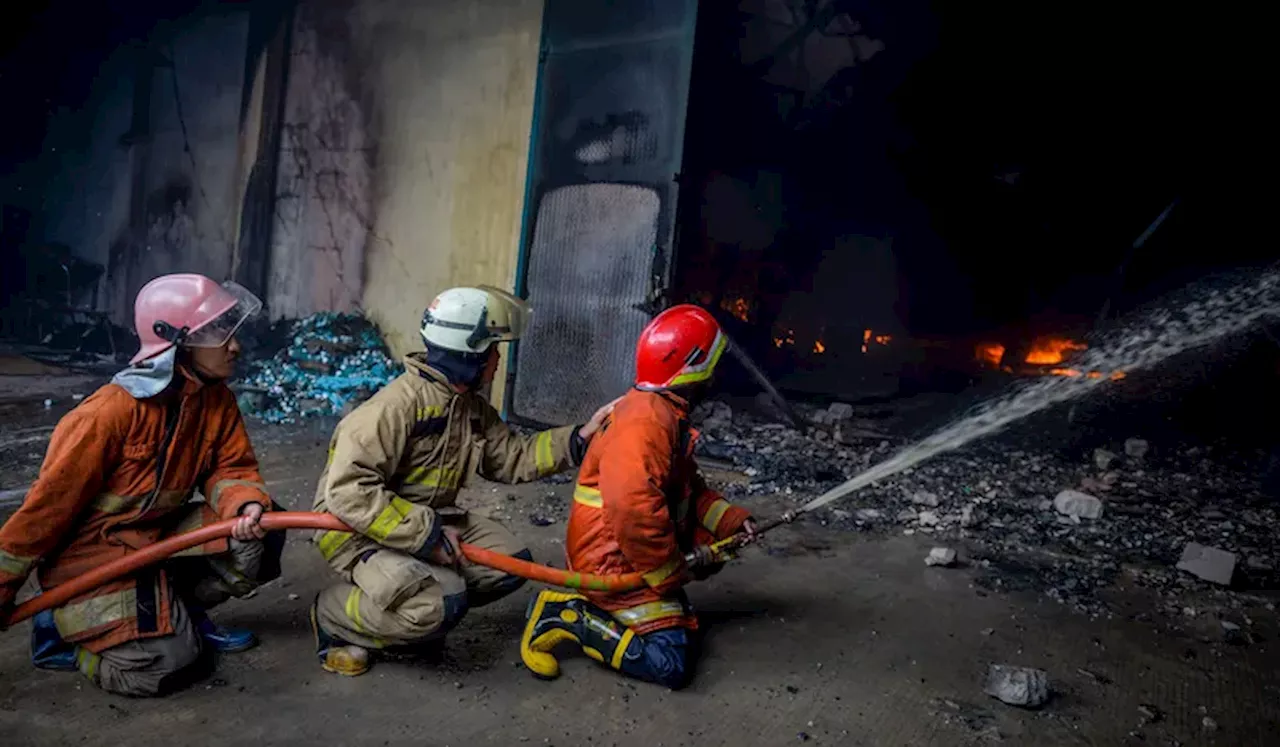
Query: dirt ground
x=820 y=637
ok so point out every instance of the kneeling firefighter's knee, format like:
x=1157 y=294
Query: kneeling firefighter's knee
x=667 y=657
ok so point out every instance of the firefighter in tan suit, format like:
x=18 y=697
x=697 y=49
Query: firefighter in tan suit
x=395 y=466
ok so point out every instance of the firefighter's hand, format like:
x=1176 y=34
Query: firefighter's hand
x=248 y=526
x=749 y=533
x=597 y=420
x=448 y=551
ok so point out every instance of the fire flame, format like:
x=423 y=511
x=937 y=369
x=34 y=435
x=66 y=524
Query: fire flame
x=739 y=307
x=787 y=337
x=818 y=347
x=1048 y=351
x=869 y=337
x=991 y=353
x=1045 y=351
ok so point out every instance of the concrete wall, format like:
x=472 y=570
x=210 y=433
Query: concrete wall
x=183 y=173
x=406 y=141
x=404 y=145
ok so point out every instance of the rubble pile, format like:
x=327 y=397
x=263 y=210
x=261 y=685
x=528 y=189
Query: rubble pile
x=1034 y=516
x=781 y=459
x=330 y=363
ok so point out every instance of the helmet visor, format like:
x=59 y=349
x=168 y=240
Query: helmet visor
x=218 y=331
x=506 y=318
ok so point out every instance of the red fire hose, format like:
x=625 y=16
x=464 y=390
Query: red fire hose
x=303 y=520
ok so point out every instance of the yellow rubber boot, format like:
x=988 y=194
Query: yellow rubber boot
x=552 y=621
x=347 y=660
x=556 y=617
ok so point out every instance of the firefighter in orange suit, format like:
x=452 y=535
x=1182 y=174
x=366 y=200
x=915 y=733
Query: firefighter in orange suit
x=121 y=473
x=639 y=506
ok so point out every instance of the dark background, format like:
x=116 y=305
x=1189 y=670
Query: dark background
x=1013 y=151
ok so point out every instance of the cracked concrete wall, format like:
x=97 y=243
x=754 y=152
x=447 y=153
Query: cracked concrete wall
x=405 y=146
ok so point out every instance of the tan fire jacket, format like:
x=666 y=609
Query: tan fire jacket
x=406 y=452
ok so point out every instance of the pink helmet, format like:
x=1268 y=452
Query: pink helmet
x=189 y=310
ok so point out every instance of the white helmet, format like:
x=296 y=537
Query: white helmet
x=469 y=320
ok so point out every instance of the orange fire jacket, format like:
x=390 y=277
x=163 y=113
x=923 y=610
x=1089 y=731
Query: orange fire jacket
x=118 y=476
x=640 y=505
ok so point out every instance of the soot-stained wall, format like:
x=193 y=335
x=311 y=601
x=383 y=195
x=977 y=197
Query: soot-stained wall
x=404 y=152
x=404 y=139
x=145 y=185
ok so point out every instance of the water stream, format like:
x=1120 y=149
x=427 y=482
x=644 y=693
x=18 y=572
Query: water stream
x=1195 y=317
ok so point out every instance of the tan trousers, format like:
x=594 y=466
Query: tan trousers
x=151 y=666
x=391 y=598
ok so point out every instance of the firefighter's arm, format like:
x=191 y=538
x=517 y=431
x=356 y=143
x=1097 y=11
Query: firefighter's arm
x=632 y=476
x=368 y=445
x=233 y=481
x=512 y=458
x=83 y=450
x=715 y=514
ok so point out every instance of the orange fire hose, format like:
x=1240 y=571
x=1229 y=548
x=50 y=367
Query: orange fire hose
x=303 y=520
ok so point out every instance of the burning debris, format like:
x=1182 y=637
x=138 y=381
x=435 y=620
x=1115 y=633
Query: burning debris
x=1046 y=356
x=330 y=363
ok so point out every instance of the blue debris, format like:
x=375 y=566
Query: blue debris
x=332 y=361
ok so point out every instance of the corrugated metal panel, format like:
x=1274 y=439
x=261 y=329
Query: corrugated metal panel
x=589 y=265
x=608 y=136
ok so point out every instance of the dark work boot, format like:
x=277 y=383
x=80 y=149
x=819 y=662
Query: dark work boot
x=220 y=639
x=48 y=650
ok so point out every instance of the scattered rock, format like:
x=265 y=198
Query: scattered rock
x=988 y=631
x=1136 y=448
x=1150 y=713
x=1103 y=458
x=1077 y=504
x=1229 y=626
x=538 y=520
x=867 y=514
x=1007 y=483
x=943 y=556
x=841 y=514
x=294 y=597
x=1259 y=563
x=1209 y=724
x=1017 y=686
x=718 y=415
x=925 y=498
x=1208 y=563
x=839 y=411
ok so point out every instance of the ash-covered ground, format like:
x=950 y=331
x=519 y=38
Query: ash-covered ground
x=1154 y=485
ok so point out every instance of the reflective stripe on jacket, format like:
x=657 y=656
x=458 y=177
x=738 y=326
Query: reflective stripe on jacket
x=406 y=452
x=117 y=477
x=640 y=505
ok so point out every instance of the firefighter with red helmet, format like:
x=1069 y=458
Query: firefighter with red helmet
x=121 y=473
x=638 y=507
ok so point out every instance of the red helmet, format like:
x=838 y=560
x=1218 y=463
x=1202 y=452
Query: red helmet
x=190 y=310
x=681 y=346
